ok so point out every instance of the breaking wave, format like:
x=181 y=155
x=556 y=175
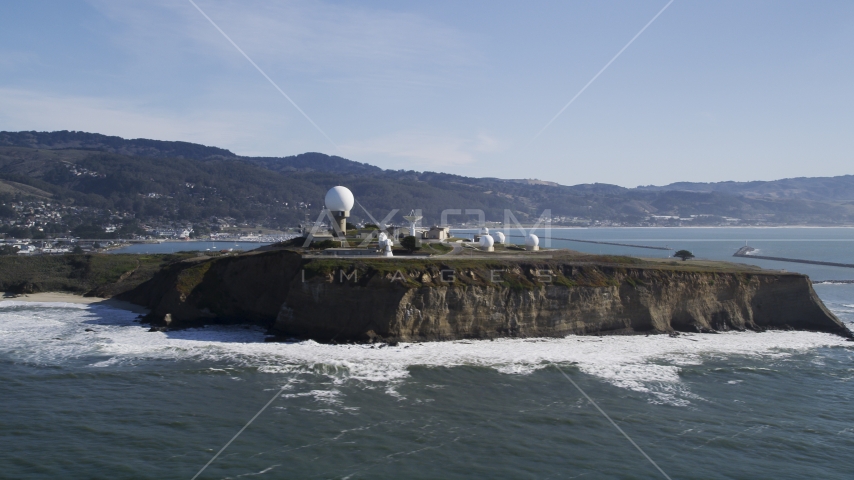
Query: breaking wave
x=56 y=334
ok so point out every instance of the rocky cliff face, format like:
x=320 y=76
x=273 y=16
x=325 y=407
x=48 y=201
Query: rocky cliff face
x=400 y=300
x=246 y=289
x=636 y=301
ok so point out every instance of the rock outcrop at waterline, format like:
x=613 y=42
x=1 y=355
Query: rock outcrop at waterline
x=445 y=299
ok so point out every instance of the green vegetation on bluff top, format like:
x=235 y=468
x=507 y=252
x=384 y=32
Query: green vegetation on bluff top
x=108 y=275
x=103 y=275
x=521 y=270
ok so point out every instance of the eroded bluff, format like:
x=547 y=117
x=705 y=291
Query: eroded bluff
x=412 y=300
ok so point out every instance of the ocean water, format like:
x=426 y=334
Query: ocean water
x=118 y=401
x=806 y=243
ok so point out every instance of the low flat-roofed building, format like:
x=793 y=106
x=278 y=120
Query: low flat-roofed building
x=438 y=233
x=320 y=236
x=367 y=233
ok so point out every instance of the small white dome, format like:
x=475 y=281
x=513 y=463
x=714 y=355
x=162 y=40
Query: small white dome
x=339 y=199
x=486 y=241
x=484 y=231
x=500 y=237
x=532 y=240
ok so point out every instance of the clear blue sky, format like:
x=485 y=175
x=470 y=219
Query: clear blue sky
x=711 y=91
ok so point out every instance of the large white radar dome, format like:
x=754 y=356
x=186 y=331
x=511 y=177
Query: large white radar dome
x=500 y=237
x=532 y=240
x=486 y=241
x=339 y=199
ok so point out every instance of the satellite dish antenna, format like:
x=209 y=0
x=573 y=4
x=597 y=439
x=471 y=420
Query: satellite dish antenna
x=487 y=242
x=532 y=242
x=384 y=245
x=413 y=219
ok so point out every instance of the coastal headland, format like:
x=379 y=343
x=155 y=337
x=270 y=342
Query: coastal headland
x=532 y=294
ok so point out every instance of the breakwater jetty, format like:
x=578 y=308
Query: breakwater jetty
x=745 y=252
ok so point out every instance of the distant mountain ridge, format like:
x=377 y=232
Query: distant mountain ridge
x=314 y=162
x=181 y=180
x=833 y=189
x=94 y=141
x=142 y=147
x=824 y=189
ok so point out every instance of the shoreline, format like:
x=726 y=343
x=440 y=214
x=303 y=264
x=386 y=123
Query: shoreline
x=64 y=297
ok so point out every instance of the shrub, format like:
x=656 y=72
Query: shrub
x=410 y=243
x=683 y=254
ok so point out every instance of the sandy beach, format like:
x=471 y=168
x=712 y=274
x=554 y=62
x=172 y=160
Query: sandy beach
x=60 y=297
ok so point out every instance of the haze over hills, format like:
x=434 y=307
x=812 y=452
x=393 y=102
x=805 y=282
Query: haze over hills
x=159 y=181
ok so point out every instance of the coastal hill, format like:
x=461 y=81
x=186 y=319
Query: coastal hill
x=65 y=140
x=822 y=189
x=531 y=294
x=156 y=181
x=552 y=294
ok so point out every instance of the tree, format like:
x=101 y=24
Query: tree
x=324 y=244
x=20 y=232
x=7 y=211
x=91 y=231
x=410 y=243
x=8 y=250
x=683 y=254
x=77 y=250
x=199 y=231
x=128 y=230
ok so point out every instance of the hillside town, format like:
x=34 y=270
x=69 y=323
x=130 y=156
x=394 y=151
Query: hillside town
x=33 y=227
x=39 y=226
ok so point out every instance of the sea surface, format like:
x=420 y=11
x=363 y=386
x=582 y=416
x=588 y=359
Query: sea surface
x=711 y=243
x=119 y=402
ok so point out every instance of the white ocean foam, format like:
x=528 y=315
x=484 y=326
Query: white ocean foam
x=15 y=304
x=331 y=397
x=53 y=333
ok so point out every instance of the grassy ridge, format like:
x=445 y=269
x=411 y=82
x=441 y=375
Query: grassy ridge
x=525 y=272
x=111 y=274
x=95 y=274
